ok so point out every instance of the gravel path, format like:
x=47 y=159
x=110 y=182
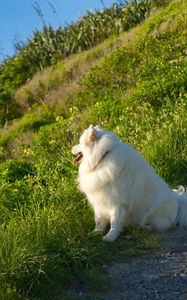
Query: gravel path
x=161 y=275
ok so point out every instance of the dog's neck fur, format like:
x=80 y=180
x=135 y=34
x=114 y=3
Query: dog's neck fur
x=94 y=160
x=99 y=162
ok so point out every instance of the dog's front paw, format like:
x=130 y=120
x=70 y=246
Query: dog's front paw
x=111 y=236
x=108 y=238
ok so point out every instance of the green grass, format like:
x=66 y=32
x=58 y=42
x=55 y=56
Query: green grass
x=49 y=46
x=139 y=91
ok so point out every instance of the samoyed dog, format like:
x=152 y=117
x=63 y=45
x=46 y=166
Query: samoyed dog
x=123 y=188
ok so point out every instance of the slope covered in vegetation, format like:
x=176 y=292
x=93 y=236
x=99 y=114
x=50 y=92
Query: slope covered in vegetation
x=134 y=85
x=48 y=46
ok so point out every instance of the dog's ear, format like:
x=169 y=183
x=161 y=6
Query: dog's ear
x=92 y=137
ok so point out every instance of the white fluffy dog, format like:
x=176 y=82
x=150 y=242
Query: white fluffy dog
x=122 y=187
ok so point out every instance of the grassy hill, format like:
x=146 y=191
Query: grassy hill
x=135 y=85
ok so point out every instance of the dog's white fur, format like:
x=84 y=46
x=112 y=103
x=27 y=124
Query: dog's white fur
x=123 y=188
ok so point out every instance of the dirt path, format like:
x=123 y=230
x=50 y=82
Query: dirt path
x=163 y=275
x=160 y=275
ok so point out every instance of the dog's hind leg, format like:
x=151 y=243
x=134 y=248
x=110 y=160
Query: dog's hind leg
x=164 y=216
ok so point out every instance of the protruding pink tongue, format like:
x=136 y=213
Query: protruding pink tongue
x=78 y=158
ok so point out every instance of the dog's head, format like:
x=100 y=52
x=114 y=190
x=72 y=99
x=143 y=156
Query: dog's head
x=91 y=137
x=87 y=139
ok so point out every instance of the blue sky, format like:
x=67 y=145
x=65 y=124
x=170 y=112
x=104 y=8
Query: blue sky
x=18 y=18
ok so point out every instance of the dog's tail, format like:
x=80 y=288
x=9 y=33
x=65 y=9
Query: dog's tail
x=181 y=196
